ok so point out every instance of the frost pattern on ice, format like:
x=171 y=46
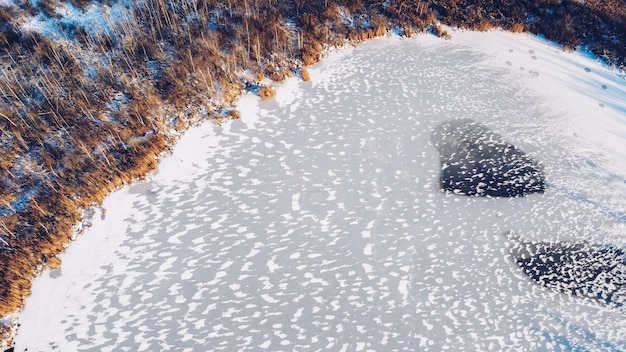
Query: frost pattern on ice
x=477 y=161
x=577 y=268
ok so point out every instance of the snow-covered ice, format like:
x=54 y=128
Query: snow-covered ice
x=316 y=221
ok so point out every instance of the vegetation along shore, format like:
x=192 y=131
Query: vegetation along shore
x=92 y=92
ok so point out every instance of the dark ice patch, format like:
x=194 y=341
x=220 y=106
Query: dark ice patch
x=478 y=161
x=576 y=268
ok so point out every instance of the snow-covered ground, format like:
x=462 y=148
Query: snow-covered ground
x=316 y=223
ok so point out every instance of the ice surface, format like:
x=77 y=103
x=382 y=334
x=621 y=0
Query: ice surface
x=316 y=222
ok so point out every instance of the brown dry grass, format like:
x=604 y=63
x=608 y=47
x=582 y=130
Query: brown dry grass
x=305 y=74
x=278 y=76
x=267 y=92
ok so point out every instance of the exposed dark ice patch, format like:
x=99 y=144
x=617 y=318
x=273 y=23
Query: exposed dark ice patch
x=576 y=268
x=478 y=161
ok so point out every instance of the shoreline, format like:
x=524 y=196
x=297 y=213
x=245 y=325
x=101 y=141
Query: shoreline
x=226 y=180
x=55 y=208
x=85 y=223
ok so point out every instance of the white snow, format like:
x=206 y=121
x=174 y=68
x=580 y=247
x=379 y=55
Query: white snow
x=368 y=250
x=315 y=222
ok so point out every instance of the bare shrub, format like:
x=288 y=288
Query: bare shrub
x=54 y=262
x=48 y=7
x=305 y=74
x=234 y=114
x=517 y=28
x=278 y=76
x=409 y=32
x=267 y=92
x=82 y=4
x=442 y=33
x=379 y=23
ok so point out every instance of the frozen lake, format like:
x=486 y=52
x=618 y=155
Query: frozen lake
x=316 y=221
